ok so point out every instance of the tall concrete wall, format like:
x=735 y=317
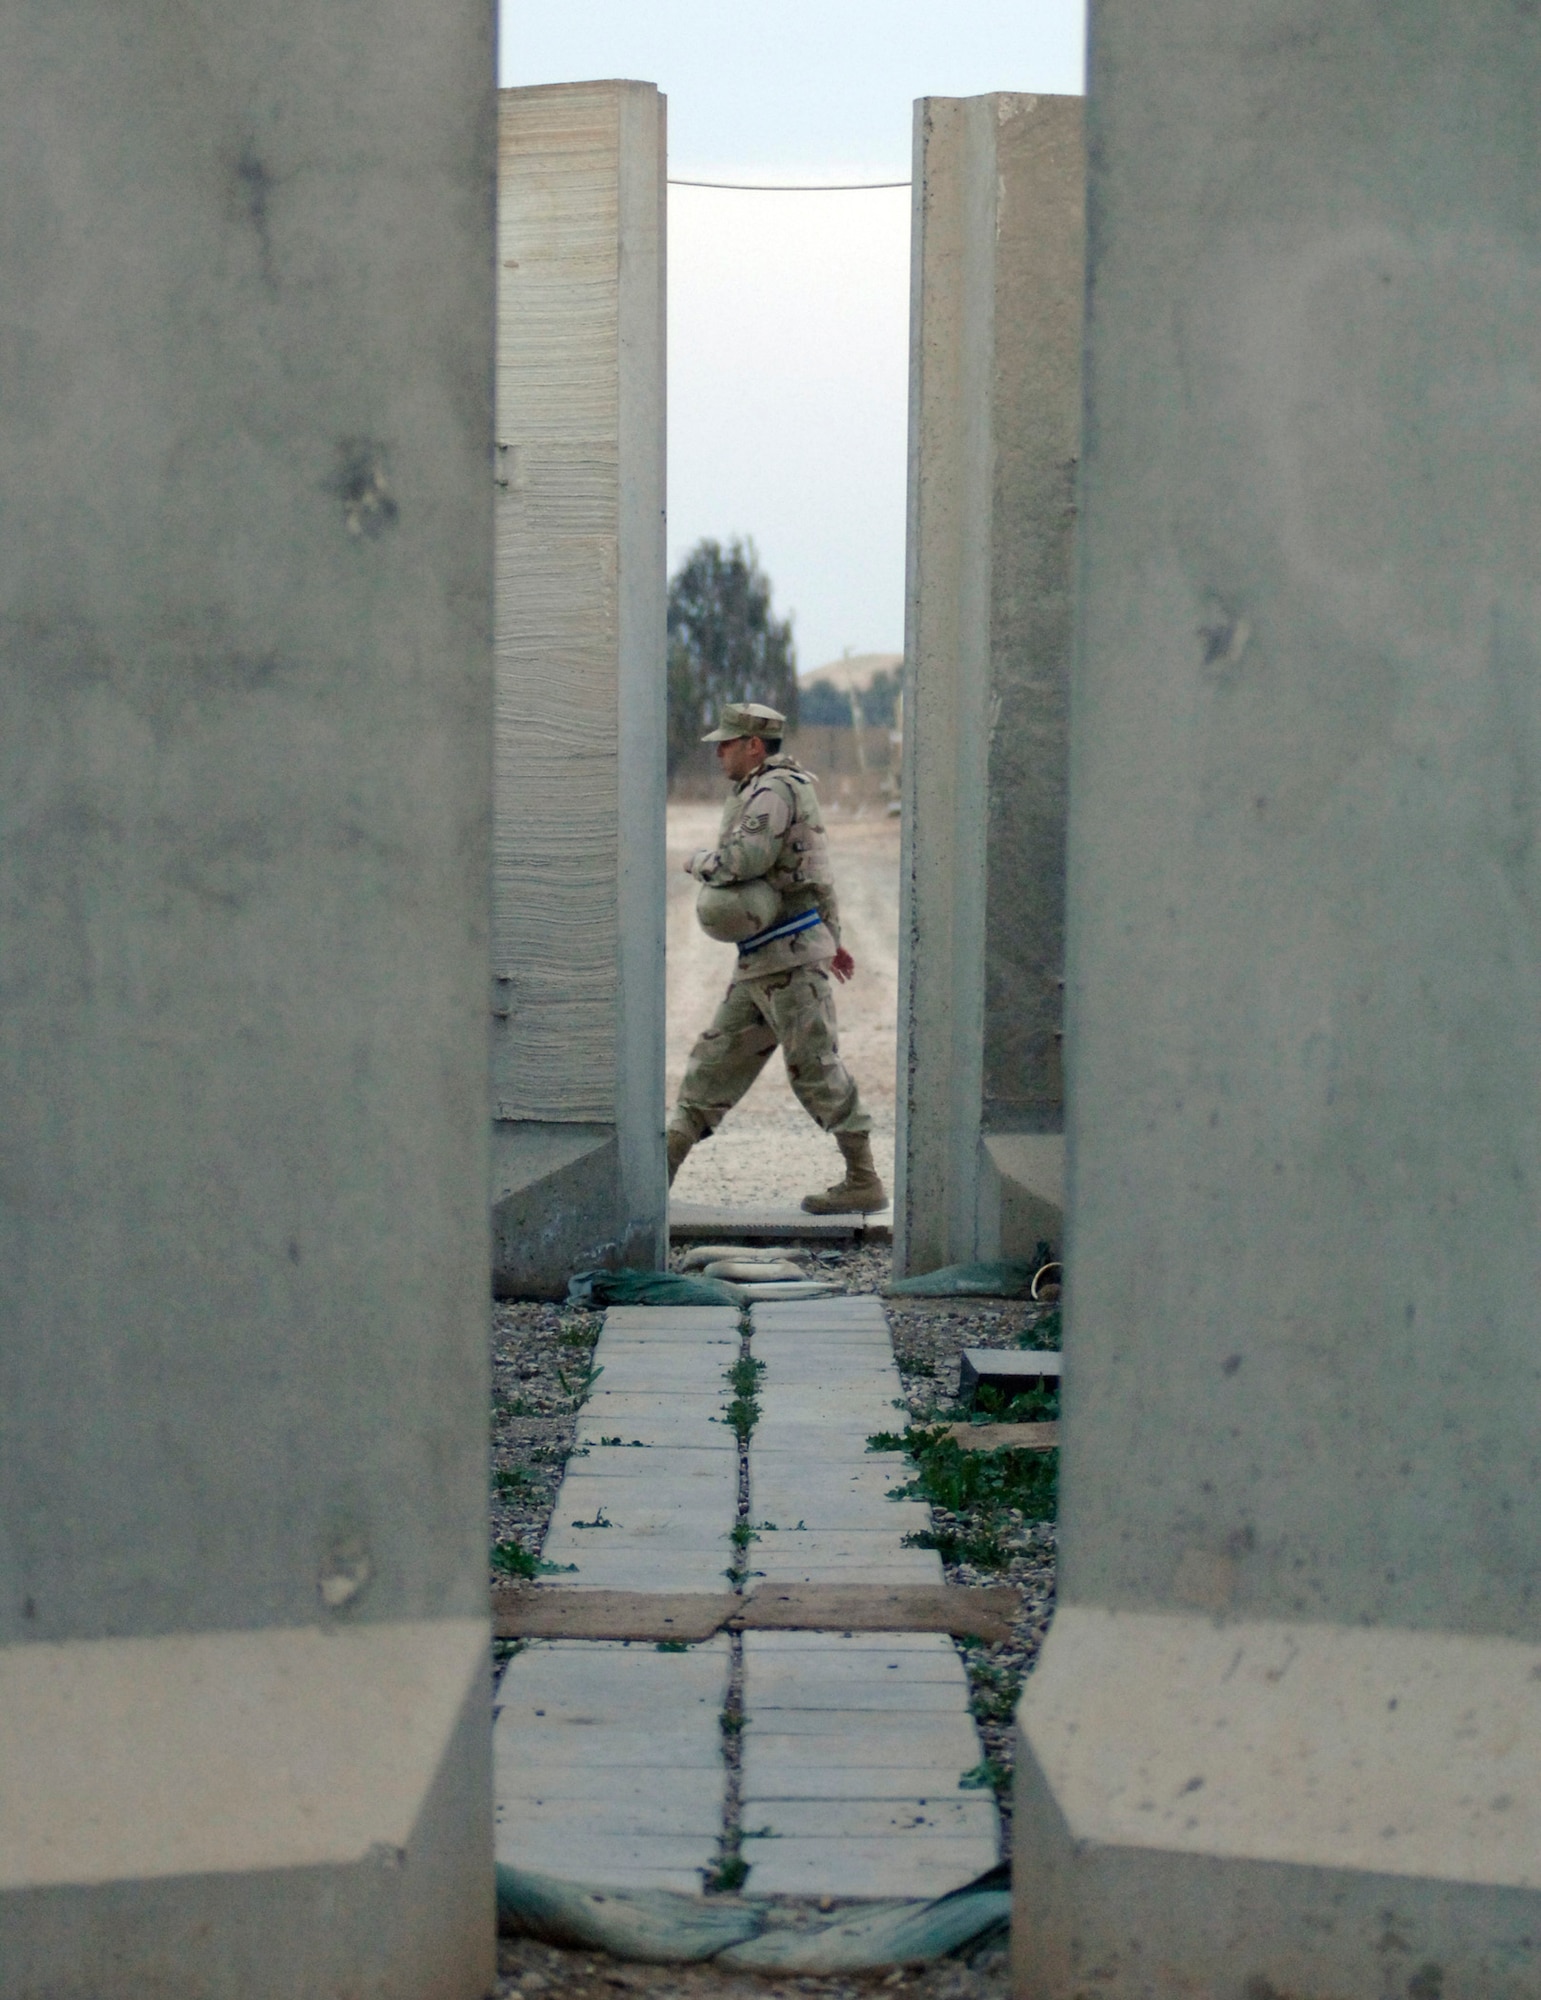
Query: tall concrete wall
x=1284 y=1736
x=996 y=315
x=245 y=709
x=578 y=883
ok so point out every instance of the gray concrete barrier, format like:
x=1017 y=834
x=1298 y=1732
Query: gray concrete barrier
x=578 y=894
x=995 y=350
x=245 y=716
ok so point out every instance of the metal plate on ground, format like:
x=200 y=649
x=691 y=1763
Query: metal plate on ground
x=700 y=1222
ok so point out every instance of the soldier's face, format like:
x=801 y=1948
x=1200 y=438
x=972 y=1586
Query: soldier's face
x=741 y=756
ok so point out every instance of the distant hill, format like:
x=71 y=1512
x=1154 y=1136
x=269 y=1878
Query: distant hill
x=856 y=670
x=824 y=695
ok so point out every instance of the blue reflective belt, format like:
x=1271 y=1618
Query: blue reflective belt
x=790 y=928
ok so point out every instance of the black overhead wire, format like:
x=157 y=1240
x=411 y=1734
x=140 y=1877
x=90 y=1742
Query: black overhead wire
x=803 y=187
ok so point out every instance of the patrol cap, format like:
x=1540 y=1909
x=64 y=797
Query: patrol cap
x=747 y=718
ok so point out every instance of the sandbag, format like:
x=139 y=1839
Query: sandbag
x=653 y=1926
x=660 y=1927
x=646 y=1288
x=898 y=1934
x=754 y=1253
x=753 y=1271
x=1010 y=1278
x=784 y=1288
x=733 y=911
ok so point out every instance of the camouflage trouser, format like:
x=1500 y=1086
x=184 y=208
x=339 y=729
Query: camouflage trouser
x=794 y=1011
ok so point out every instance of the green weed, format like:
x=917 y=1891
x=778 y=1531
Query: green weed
x=743 y=1413
x=969 y=1482
x=1046 y=1331
x=512 y=1558
x=979 y=1548
x=732 y=1872
x=512 y=1484
x=1027 y=1406
x=579 y=1390
x=995 y=1691
x=986 y=1776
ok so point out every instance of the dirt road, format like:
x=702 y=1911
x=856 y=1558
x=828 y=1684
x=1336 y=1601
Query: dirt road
x=769 y=1150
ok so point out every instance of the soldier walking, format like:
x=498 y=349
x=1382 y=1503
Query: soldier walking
x=767 y=886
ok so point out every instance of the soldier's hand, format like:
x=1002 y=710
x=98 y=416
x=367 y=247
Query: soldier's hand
x=842 y=965
x=698 y=860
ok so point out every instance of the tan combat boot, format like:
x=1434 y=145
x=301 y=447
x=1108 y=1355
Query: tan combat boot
x=679 y=1142
x=861 y=1191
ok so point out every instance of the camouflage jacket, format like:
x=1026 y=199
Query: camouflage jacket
x=772 y=829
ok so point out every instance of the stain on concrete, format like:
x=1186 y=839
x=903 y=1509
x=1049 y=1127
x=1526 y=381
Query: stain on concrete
x=254 y=186
x=361 y=483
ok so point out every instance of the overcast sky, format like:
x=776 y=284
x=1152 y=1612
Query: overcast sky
x=788 y=314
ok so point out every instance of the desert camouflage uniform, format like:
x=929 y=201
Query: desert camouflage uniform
x=782 y=995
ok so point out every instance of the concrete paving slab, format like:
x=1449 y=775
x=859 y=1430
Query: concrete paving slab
x=636 y=1812
x=663 y=1369
x=703 y=1222
x=612 y=1861
x=695 y=1322
x=813 y=1442
x=669 y=1465
x=829 y=1661
x=855 y=1414
x=825 y=1316
x=874 y=1576
x=853 y=1517
x=967 y=1816
x=664 y=1572
x=913 y=1864
x=946 y=1745
x=658 y=1399
x=556 y=1673
x=699 y=1429
x=695 y=1785
x=843 y=1545
x=868 y=1475
x=783 y=1487
x=636 y=1551
x=690 y=1501
x=767 y=1782
x=934 y=1646
x=653 y=1743
x=893 y=1696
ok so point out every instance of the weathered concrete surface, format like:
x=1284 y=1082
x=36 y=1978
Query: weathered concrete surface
x=555 y=1190
x=245 y=710
x=1305 y=1053
x=994 y=443
x=577 y=928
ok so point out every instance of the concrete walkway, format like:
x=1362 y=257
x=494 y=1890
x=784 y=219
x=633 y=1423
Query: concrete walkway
x=610 y=1763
